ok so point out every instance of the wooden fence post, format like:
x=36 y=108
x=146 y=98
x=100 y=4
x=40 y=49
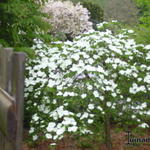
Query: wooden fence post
x=5 y=84
x=18 y=92
x=12 y=69
x=5 y=68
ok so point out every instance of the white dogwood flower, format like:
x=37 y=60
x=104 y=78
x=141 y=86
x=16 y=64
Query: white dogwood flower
x=96 y=93
x=144 y=125
x=91 y=106
x=109 y=104
x=83 y=96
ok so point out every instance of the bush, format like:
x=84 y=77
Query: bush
x=96 y=12
x=143 y=27
x=68 y=20
x=144 y=7
x=77 y=87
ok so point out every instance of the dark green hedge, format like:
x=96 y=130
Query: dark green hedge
x=96 y=12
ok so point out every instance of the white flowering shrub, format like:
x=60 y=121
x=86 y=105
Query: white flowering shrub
x=67 y=18
x=74 y=86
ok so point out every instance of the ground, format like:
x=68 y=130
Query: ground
x=68 y=143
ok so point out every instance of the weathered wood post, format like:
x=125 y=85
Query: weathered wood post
x=18 y=93
x=12 y=66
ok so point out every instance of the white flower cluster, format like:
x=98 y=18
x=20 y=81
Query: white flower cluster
x=67 y=18
x=70 y=83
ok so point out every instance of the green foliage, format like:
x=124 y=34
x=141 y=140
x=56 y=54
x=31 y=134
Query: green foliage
x=96 y=12
x=142 y=34
x=143 y=6
x=21 y=22
x=144 y=12
x=143 y=28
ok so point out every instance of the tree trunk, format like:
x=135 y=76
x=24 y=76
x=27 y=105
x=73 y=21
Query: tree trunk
x=107 y=128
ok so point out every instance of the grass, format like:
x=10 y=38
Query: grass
x=121 y=10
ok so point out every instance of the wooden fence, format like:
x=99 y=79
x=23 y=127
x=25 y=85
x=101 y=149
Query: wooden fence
x=12 y=67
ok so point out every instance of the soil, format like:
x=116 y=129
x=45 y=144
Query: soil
x=119 y=143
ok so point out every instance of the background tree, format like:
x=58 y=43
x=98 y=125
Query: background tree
x=21 y=22
x=68 y=20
